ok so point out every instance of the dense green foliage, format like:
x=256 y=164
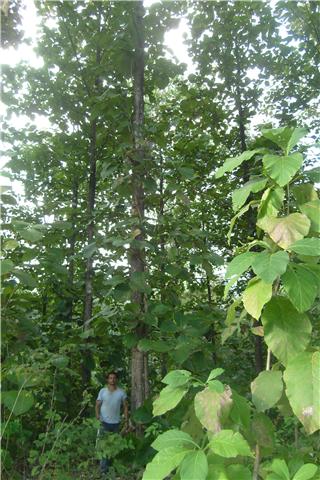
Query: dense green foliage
x=224 y=306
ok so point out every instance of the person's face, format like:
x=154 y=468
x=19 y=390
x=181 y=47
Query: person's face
x=112 y=379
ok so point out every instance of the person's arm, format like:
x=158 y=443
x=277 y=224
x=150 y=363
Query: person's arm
x=98 y=408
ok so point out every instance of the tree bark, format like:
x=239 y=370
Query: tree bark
x=88 y=281
x=72 y=241
x=139 y=361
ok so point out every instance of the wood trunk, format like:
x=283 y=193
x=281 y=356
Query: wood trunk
x=139 y=360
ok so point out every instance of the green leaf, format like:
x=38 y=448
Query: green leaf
x=240 y=264
x=216 y=372
x=212 y=408
x=31 y=235
x=169 y=398
x=302 y=379
x=232 y=163
x=186 y=172
x=282 y=169
x=286 y=331
x=231 y=313
x=60 y=361
x=216 y=386
x=176 y=378
x=256 y=295
x=280 y=468
x=194 y=465
x=313 y=175
x=6 y=266
x=240 y=410
x=312 y=211
x=271 y=203
x=304 y=193
x=240 y=195
x=268 y=266
x=89 y=250
x=306 y=472
x=263 y=430
x=164 y=462
x=285 y=137
x=229 y=444
x=284 y=231
x=159 y=346
x=18 y=402
x=307 y=246
x=238 y=215
x=238 y=472
x=266 y=389
x=300 y=286
x=26 y=278
x=10 y=245
x=173 y=438
x=138 y=282
x=229 y=285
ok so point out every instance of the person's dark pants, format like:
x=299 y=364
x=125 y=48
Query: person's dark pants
x=105 y=463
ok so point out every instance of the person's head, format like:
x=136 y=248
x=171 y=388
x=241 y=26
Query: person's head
x=112 y=378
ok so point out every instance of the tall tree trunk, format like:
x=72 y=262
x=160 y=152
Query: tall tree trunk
x=163 y=357
x=139 y=362
x=88 y=281
x=258 y=354
x=72 y=241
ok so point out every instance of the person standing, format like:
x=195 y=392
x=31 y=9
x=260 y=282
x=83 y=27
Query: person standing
x=108 y=406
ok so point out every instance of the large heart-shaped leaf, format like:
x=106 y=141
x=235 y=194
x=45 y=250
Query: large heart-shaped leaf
x=6 y=266
x=18 y=402
x=286 y=230
x=280 y=468
x=256 y=295
x=212 y=408
x=263 y=430
x=155 y=345
x=286 y=331
x=164 y=462
x=304 y=193
x=307 y=246
x=268 y=266
x=300 y=285
x=232 y=163
x=31 y=234
x=169 y=397
x=173 y=438
x=239 y=264
x=302 y=379
x=230 y=444
x=313 y=175
x=282 y=168
x=312 y=210
x=271 y=202
x=285 y=137
x=240 y=195
x=266 y=389
x=306 y=472
x=26 y=278
x=176 y=378
x=194 y=465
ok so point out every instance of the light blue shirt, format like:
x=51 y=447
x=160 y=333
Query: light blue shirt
x=111 y=404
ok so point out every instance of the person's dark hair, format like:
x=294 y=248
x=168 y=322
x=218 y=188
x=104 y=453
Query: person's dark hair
x=112 y=373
